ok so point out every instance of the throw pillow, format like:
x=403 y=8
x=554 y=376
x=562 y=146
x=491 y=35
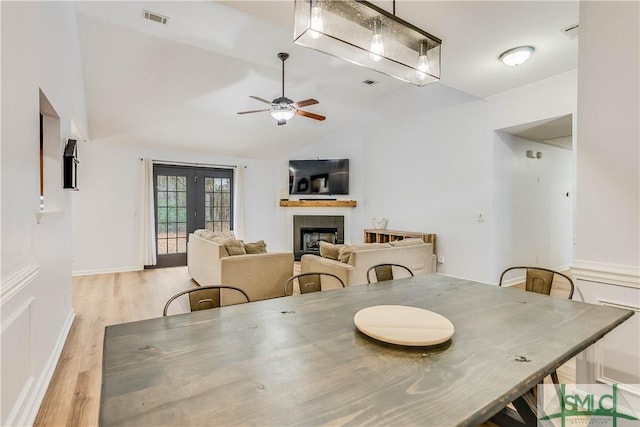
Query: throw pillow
x=329 y=250
x=259 y=247
x=345 y=253
x=235 y=247
x=411 y=241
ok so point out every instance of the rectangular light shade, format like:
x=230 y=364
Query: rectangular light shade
x=345 y=29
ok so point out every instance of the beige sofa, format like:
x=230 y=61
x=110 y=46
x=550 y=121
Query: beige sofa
x=261 y=276
x=418 y=257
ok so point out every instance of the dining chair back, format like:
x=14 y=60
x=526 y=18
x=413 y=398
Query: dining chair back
x=312 y=282
x=385 y=271
x=205 y=297
x=541 y=280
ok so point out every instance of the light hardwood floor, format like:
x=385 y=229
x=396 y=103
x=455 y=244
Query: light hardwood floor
x=73 y=396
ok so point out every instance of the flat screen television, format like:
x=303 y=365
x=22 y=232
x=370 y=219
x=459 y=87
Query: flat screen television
x=319 y=177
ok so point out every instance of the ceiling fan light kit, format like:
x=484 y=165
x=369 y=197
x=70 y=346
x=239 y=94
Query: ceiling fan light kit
x=364 y=34
x=283 y=109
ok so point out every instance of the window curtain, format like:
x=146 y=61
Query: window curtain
x=238 y=201
x=147 y=215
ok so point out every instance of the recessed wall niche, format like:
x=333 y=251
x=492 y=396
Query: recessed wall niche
x=50 y=171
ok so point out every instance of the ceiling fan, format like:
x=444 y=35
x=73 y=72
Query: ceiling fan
x=283 y=109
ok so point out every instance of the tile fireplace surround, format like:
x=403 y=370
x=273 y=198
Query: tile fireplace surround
x=324 y=222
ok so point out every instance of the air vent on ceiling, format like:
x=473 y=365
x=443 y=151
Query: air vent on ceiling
x=154 y=17
x=571 y=31
x=370 y=82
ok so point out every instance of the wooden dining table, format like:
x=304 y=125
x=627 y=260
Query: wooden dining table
x=300 y=360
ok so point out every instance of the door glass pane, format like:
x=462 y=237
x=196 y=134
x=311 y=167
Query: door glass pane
x=182 y=183
x=162 y=183
x=217 y=198
x=162 y=231
x=182 y=245
x=171 y=213
x=162 y=198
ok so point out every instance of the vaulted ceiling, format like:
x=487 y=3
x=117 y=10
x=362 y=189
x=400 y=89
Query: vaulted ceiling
x=180 y=85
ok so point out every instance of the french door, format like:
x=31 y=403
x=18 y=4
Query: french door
x=188 y=198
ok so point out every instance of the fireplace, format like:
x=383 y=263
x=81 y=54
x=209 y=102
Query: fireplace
x=309 y=230
x=311 y=237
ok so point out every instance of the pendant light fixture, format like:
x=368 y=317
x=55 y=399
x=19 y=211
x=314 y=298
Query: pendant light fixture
x=376 y=51
x=367 y=35
x=315 y=22
x=423 y=70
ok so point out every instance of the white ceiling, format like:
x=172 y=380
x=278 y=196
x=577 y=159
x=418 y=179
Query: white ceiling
x=180 y=85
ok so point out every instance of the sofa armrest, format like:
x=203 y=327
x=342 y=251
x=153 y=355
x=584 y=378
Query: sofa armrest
x=261 y=276
x=203 y=260
x=314 y=263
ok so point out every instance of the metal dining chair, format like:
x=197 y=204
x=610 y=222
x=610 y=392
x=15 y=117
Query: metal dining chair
x=310 y=282
x=204 y=297
x=385 y=271
x=540 y=280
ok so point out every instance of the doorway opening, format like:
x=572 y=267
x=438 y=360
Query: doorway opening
x=535 y=184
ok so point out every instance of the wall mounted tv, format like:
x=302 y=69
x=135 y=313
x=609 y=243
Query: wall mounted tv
x=319 y=177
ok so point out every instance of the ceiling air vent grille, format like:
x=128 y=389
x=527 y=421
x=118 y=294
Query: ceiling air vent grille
x=154 y=17
x=571 y=31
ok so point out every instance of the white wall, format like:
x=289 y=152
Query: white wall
x=429 y=165
x=40 y=50
x=347 y=144
x=105 y=210
x=607 y=262
x=534 y=198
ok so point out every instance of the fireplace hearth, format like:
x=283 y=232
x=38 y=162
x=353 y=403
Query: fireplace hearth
x=309 y=230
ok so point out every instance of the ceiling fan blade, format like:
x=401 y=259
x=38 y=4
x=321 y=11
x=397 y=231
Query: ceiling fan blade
x=310 y=115
x=253 y=111
x=304 y=103
x=282 y=122
x=257 y=98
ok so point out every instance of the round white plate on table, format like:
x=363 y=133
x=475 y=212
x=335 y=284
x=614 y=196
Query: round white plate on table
x=403 y=325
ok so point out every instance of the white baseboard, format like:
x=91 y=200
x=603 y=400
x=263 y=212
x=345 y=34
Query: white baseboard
x=610 y=274
x=106 y=271
x=32 y=398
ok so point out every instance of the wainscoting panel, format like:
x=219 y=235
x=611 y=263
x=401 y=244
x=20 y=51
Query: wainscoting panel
x=610 y=353
x=611 y=274
x=17 y=367
x=24 y=381
x=615 y=358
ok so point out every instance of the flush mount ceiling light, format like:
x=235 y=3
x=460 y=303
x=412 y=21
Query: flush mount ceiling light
x=517 y=55
x=364 y=34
